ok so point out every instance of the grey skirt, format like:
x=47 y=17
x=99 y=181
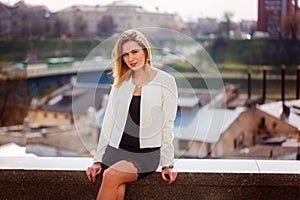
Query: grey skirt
x=146 y=162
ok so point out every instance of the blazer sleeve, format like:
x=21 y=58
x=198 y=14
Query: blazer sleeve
x=107 y=126
x=169 y=106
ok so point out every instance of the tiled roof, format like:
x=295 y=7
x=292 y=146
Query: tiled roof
x=275 y=109
x=23 y=5
x=84 y=8
x=120 y=3
x=204 y=125
x=76 y=101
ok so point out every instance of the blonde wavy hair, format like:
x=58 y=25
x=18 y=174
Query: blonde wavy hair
x=121 y=72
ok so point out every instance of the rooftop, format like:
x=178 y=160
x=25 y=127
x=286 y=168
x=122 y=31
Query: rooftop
x=197 y=124
x=275 y=109
x=64 y=178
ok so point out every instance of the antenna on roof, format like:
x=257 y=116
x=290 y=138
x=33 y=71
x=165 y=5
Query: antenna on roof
x=298 y=149
x=298 y=153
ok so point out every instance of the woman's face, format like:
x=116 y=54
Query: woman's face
x=133 y=55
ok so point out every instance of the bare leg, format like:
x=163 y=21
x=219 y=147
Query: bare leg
x=114 y=177
x=121 y=192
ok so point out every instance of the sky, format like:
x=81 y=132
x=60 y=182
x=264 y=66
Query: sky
x=187 y=9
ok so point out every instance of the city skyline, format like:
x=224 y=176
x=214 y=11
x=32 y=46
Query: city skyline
x=185 y=9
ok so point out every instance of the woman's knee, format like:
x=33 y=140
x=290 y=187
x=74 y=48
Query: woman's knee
x=110 y=175
x=119 y=173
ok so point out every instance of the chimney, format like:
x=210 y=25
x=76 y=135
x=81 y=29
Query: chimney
x=264 y=85
x=298 y=82
x=282 y=84
x=249 y=85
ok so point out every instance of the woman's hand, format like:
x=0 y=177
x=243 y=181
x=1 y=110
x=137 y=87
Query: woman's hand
x=169 y=175
x=93 y=171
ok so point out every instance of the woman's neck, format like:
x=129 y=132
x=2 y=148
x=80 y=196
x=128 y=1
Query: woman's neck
x=142 y=76
x=137 y=74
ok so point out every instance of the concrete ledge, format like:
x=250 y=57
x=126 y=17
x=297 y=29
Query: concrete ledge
x=64 y=178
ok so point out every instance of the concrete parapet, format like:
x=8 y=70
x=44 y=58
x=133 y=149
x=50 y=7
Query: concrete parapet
x=64 y=178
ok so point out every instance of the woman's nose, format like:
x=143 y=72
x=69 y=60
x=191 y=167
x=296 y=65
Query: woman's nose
x=130 y=57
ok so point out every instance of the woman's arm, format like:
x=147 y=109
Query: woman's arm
x=93 y=171
x=169 y=174
x=169 y=106
x=106 y=129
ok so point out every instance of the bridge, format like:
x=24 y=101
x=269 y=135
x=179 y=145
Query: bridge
x=39 y=75
x=42 y=70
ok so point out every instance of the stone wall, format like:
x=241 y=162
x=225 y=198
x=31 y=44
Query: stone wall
x=64 y=178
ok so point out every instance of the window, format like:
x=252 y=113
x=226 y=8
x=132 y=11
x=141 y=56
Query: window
x=183 y=144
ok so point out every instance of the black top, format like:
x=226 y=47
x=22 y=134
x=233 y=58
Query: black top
x=131 y=138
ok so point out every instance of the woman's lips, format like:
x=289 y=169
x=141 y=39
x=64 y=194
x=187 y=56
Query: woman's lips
x=133 y=64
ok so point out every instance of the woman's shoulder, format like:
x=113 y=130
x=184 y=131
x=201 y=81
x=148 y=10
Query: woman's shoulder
x=164 y=76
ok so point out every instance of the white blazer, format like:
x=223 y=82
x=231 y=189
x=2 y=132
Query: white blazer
x=158 y=112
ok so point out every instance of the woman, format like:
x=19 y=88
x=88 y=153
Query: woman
x=137 y=132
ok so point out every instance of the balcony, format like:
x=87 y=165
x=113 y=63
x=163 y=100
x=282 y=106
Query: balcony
x=64 y=178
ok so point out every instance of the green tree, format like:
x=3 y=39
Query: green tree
x=226 y=25
x=38 y=27
x=60 y=27
x=80 y=26
x=106 y=26
x=14 y=97
x=291 y=26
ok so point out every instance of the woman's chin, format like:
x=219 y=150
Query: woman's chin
x=135 y=68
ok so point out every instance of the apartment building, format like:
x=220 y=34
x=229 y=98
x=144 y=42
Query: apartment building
x=124 y=16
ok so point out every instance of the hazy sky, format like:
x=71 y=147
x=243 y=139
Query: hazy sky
x=187 y=9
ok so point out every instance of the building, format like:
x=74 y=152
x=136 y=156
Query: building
x=198 y=130
x=124 y=16
x=256 y=130
x=67 y=104
x=240 y=133
x=25 y=20
x=85 y=18
x=205 y=28
x=271 y=14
